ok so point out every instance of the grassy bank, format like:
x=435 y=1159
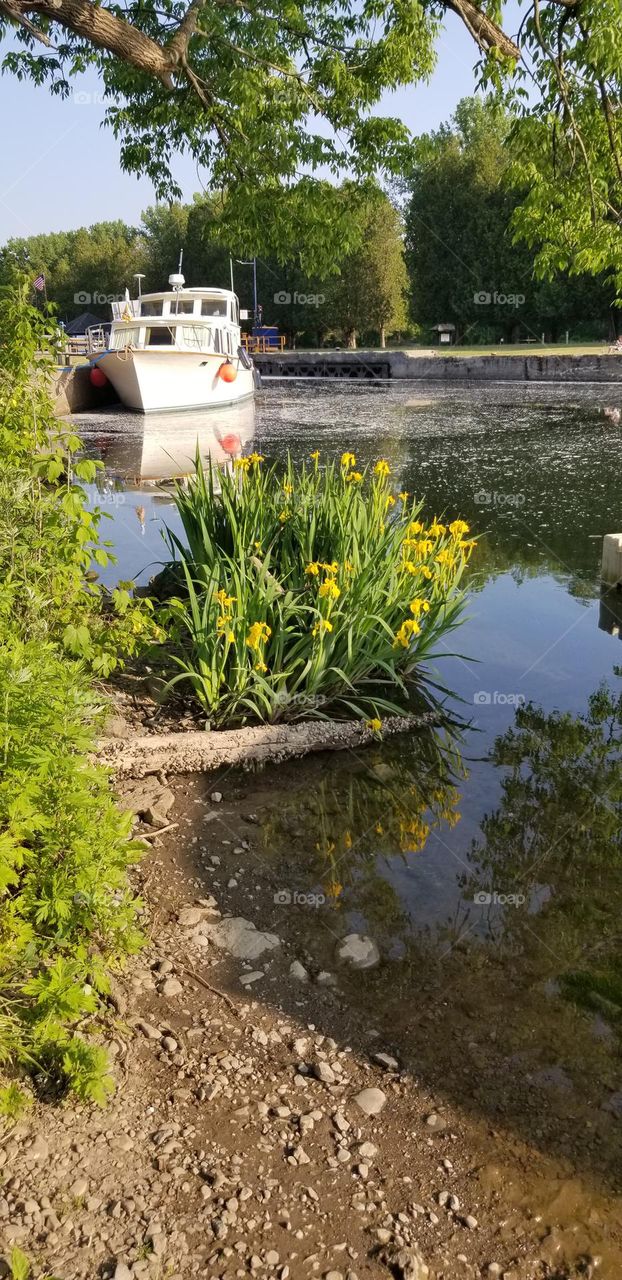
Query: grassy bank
x=67 y=913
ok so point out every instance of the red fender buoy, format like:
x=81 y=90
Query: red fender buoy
x=231 y=444
x=97 y=377
x=227 y=371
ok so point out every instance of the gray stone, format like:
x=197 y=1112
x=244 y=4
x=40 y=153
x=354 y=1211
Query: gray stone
x=240 y=938
x=171 y=987
x=385 y=1060
x=38 y=1149
x=247 y=979
x=322 y=1071
x=298 y=971
x=371 y=1101
x=358 y=950
x=122 y=1272
x=408 y=1264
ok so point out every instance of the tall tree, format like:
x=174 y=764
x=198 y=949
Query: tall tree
x=464 y=262
x=369 y=294
x=248 y=89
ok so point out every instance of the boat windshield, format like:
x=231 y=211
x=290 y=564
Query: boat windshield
x=214 y=307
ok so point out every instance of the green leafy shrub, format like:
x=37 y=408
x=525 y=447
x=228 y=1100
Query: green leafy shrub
x=66 y=910
x=309 y=588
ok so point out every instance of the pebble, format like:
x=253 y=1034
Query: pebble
x=470 y=1222
x=371 y=1101
x=385 y=1060
x=171 y=987
x=436 y=1122
x=247 y=979
x=298 y=971
x=38 y=1149
x=322 y=1071
x=216 y=797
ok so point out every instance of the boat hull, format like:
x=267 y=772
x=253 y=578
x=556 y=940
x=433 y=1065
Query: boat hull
x=151 y=381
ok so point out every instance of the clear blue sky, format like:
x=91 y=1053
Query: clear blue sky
x=60 y=168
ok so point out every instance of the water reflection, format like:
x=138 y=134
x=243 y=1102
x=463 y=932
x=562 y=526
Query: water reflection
x=353 y=827
x=142 y=458
x=548 y=872
x=163 y=446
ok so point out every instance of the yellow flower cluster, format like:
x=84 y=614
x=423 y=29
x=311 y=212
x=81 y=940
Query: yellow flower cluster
x=321 y=626
x=374 y=724
x=413 y=835
x=315 y=456
x=354 y=477
x=408 y=629
x=417 y=607
x=330 y=589
x=223 y=621
x=348 y=460
x=259 y=633
x=457 y=528
x=382 y=469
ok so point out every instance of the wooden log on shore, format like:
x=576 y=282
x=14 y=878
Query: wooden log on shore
x=200 y=752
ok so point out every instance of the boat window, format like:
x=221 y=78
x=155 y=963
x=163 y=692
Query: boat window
x=125 y=337
x=229 y=342
x=197 y=337
x=182 y=307
x=214 y=307
x=159 y=337
x=151 y=308
x=218 y=341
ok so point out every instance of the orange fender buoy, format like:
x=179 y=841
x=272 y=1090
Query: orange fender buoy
x=227 y=371
x=231 y=444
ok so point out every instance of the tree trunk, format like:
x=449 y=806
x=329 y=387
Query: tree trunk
x=383 y=337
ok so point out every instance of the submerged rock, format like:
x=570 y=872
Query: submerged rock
x=358 y=950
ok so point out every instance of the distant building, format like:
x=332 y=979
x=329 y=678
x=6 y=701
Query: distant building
x=446 y=334
x=78 y=327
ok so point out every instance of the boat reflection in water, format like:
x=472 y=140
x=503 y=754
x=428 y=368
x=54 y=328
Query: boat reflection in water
x=162 y=447
x=142 y=464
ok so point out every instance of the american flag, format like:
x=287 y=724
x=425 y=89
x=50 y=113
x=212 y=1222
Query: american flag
x=39 y=283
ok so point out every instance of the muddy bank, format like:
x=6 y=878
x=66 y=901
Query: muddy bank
x=243 y=1139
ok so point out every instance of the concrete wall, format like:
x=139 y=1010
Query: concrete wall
x=74 y=393
x=450 y=368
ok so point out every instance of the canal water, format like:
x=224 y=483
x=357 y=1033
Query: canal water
x=486 y=862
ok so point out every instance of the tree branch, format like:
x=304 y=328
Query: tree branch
x=485 y=32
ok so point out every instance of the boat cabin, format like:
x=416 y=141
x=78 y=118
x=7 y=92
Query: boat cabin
x=185 y=319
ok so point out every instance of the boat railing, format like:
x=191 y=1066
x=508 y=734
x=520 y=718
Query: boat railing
x=96 y=338
x=264 y=344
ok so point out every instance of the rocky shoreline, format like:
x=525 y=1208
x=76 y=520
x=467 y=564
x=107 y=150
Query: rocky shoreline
x=243 y=1140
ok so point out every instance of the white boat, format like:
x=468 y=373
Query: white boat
x=177 y=350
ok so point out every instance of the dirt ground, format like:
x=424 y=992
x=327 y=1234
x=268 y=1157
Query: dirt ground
x=239 y=1140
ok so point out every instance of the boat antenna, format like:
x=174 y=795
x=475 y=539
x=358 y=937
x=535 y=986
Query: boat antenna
x=139 y=276
x=177 y=281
